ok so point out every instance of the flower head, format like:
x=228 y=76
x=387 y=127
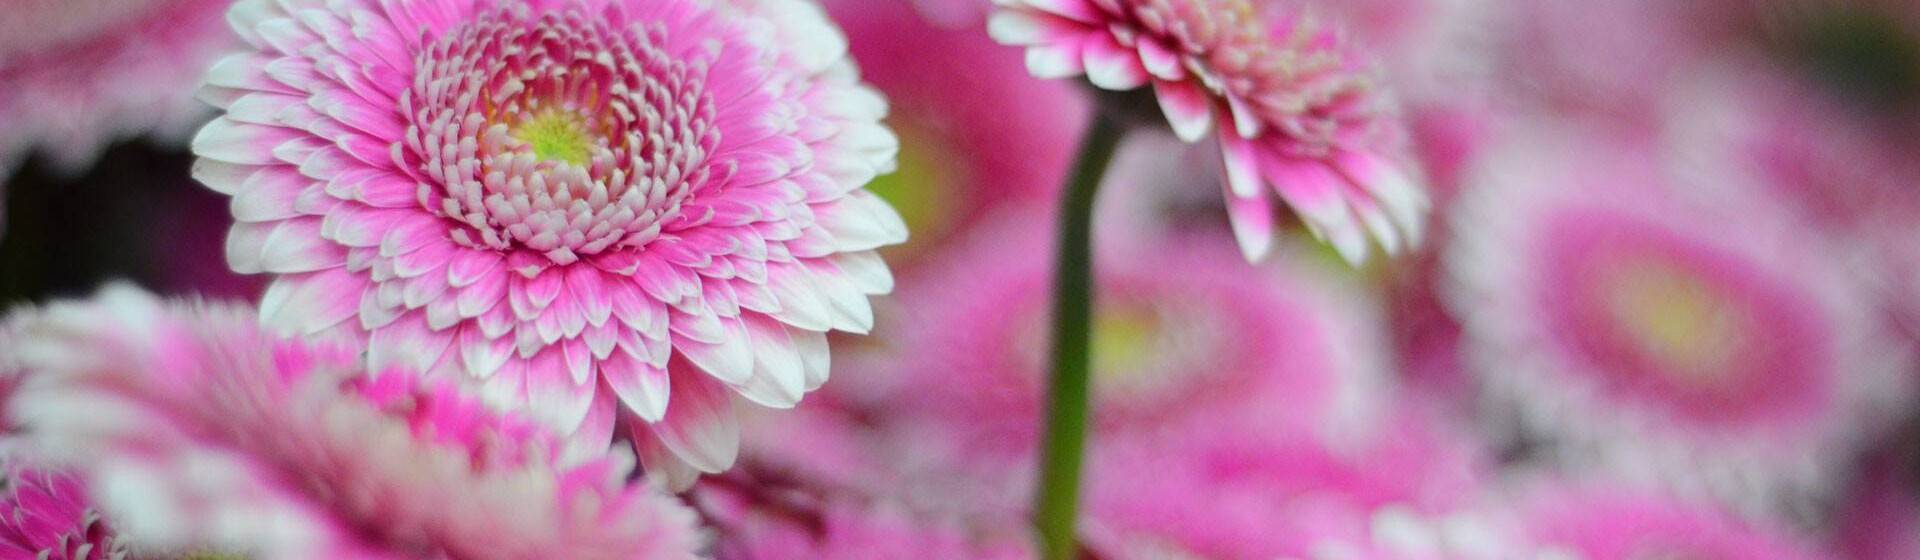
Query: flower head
x=80 y=74
x=48 y=516
x=1179 y=337
x=580 y=205
x=1719 y=348
x=198 y=431
x=1297 y=109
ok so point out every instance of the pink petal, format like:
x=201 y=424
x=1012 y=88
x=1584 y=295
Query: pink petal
x=1111 y=65
x=699 y=426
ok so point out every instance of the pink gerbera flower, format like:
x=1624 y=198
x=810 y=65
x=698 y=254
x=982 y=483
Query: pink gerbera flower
x=80 y=74
x=198 y=431
x=1718 y=347
x=48 y=516
x=580 y=205
x=1297 y=109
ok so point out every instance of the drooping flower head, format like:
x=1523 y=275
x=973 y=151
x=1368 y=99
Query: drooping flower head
x=80 y=74
x=48 y=516
x=581 y=205
x=1713 y=345
x=197 y=431
x=1296 y=109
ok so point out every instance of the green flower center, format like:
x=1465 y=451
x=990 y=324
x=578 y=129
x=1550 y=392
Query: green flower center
x=1124 y=343
x=556 y=136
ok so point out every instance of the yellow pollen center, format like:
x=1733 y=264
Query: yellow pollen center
x=1679 y=320
x=556 y=136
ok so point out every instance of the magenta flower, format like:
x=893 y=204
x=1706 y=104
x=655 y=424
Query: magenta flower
x=1297 y=110
x=198 y=431
x=1714 y=345
x=48 y=516
x=81 y=74
x=580 y=205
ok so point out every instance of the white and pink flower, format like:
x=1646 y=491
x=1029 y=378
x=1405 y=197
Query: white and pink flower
x=1638 y=322
x=198 y=431
x=1298 y=110
x=579 y=205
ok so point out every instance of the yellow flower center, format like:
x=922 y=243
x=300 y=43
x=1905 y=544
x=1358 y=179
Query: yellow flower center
x=1124 y=343
x=1678 y=319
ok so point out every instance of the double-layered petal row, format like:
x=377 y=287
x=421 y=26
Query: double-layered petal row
x=198 y=431
x=579 y=205
x=1297 y=111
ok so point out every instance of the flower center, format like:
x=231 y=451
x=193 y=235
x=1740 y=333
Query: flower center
x=1125 y=341
x=556 y=136
x=1679 y=320
x=567 y=134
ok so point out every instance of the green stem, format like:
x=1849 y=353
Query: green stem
x=1057 y=498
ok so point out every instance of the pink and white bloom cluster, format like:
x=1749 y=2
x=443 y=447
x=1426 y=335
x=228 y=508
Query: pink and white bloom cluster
x=197 y=431
x=80 y=74
x=1299 y=112
x=577 y=205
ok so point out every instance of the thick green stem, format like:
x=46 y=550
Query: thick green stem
x=1057 y=499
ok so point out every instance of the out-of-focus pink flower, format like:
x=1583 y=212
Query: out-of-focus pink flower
x=580 y=205
x=197 y=431
x=1182 y=333
x=80 y=74
x=1643 y=324
x=1297 y=109
x=48 y=516
x=978 y=134
x=1229 y=398
x=1599 y=521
